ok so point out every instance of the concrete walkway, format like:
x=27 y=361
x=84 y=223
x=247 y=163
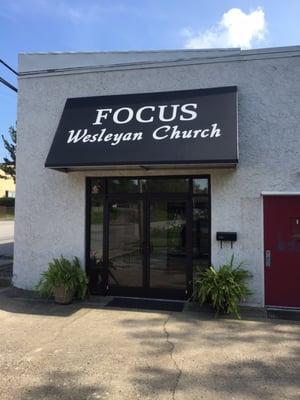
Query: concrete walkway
x=75 y=353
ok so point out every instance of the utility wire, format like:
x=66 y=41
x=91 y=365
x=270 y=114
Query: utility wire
x=8 y=84
x=3 y=81
x=8 y=67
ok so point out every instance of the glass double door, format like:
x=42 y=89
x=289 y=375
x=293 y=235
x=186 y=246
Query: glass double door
x=148 y=246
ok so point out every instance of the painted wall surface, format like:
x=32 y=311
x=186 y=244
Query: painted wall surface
x=6 y=184
x=50 y=205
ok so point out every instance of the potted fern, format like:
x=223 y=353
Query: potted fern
x=64 y=280
x=223 y=288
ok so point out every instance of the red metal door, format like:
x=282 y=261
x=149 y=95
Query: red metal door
x=282 y=250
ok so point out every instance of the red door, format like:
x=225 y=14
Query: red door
x=282 y=250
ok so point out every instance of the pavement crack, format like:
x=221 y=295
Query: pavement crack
x=172 y=348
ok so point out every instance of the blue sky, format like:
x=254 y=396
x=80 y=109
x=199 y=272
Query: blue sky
x=74 y=25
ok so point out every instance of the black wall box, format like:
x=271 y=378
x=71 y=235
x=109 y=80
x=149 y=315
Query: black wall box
x=227 y=236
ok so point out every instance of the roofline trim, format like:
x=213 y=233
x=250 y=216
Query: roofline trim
x=154 y=64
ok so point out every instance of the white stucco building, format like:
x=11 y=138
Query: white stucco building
x=139 y=236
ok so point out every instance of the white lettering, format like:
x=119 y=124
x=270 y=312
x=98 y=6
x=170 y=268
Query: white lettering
x=74 y=138
x=127 y=136
x=94 y=138
x=175 y=133
x=86 y=138
x=196 y=133
x=215 y=132
x=162 y=109
x=166 y=113
x=137 y=136
x=139 y=114
x=100 y=115
x=187 y=134
x=117 y=138
x=162 y=132
x=108 y=137
x=166 y=128
x=204 y=134
x=185 y=110
x=101 y=134
x=118 y=111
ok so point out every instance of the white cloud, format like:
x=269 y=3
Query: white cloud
x=235 y=29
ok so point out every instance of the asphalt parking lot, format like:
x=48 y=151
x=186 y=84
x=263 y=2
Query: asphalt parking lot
x=81 y=352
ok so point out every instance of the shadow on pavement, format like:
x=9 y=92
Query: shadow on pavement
x=235 y=359
x=63 y=385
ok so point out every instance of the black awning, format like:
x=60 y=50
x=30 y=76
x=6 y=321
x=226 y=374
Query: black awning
x=193 y=127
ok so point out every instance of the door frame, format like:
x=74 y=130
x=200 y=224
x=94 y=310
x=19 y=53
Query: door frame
x=263 y=195
x=160 y=292
x=188 y=197
x=122 y=291
x=145 y=290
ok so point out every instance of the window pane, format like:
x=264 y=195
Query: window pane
x=124 y=185
x=96 y=230
x=166 y=185
x=126 y=243
x=97 y=186
x=200 y=185
x=168 y=250
x=96 y=269
x=201 y=234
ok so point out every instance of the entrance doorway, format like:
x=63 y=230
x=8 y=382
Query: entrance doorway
x=282 y=250
x=147 y=237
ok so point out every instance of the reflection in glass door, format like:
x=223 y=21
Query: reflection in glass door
x=168 y=245
x=147 y=237
x=125 y=244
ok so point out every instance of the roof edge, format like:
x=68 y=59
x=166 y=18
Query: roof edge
x=72 y=62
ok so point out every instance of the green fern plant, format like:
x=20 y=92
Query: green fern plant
x=223 y=288
x=63 y=272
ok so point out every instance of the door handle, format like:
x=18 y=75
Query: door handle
x=268 y=259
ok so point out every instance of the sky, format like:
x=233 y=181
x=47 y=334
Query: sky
x=104 y=25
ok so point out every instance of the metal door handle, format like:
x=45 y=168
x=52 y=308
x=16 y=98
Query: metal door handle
x=268 y=259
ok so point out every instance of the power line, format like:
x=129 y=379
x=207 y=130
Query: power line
x=8 y=67
x=3 y=81
x=8 y=84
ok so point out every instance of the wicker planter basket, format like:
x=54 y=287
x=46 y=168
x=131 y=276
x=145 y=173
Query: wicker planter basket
x=63 y=296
